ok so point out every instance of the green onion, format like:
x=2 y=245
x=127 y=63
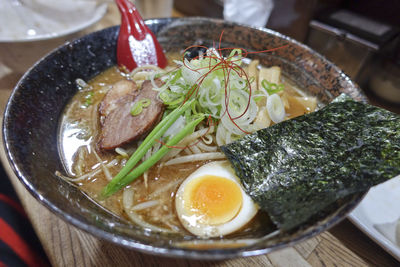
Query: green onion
x=232 y=54
x=177 y=74
x=117 y=184
x=272 y=88
x=172 y=99
x=148 y=142
x=139 y=105
x=89 y=99
x=251 y=79
x=258 y=98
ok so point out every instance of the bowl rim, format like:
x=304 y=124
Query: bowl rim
x=177 y=252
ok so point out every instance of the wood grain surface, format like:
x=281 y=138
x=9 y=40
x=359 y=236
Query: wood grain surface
x=65 y=245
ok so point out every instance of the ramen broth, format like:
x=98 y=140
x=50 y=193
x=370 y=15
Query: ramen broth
x=78 y=138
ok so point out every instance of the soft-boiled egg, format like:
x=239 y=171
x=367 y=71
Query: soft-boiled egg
x=211 y=201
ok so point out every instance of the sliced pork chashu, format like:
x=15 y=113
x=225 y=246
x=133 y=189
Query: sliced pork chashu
x=119 y=91
x=118 y=126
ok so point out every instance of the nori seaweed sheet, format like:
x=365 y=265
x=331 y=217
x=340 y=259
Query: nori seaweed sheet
x=297 y=168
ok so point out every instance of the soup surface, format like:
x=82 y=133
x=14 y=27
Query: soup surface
x=149 y=200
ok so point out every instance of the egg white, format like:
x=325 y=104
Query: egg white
x=193 y=223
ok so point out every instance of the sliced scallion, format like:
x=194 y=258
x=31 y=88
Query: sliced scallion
x=116 y=185
x=148 y=142
x=139 y=105
x=272 y=88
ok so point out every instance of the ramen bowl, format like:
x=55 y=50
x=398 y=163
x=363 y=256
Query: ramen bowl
x=32 y=120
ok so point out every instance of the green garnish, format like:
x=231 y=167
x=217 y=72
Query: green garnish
x=148 y=142
x=176 y=75
x=272 y=88
x=235 y=55
x=89 y=99
x=250 y=81
x=139 y=105
x=117 y=184
x=171 y=99
x=258 y=98
x=215 y=86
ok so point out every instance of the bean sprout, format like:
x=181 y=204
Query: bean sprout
x=195 y=157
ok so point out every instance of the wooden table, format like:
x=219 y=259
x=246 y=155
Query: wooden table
x=65 y=245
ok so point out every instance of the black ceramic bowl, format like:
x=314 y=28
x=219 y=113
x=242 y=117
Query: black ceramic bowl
x=33 y=113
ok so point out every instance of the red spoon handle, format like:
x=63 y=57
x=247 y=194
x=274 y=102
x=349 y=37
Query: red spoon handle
x=137 y=44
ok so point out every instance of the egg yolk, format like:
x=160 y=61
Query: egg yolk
x=214 y=199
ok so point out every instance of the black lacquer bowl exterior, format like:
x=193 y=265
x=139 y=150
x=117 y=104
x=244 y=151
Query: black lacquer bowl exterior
x=32 y=116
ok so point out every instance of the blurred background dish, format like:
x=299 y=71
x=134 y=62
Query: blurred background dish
x=32 y=20
x=35 y=27
x=378 y=215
